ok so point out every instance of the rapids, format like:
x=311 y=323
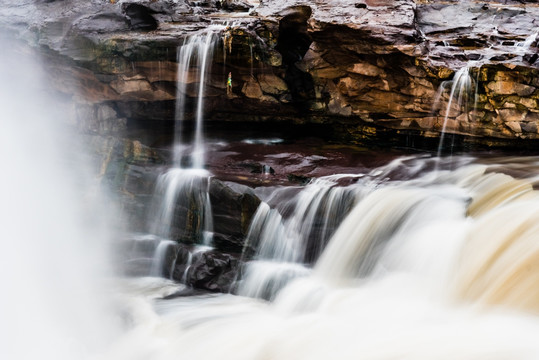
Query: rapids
x=440 y=265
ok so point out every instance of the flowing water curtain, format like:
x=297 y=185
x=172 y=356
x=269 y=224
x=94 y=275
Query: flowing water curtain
x=285 y=244
x=195 y=58
x=499 y=264
x=461 y=102
x=180 y=209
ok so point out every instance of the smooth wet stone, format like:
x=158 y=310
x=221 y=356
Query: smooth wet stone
x=212 y=271
x=233 y=207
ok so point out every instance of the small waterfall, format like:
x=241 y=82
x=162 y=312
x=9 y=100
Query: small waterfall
x=194 y=63
x=459 y=97
x=160 y=257
x=181 y=208
x=522 y=48
x=284 y=243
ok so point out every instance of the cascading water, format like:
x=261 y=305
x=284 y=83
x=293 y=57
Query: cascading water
x=194 y=64
x=522 y=48
x=459 y=99
x=420 y=263
x=442 y=265
x=181 y=208
x=284 y=244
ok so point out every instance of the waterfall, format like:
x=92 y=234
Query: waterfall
x=439 y=265
x=181 y=208
x=194 y=64
x=459 y=96
x=522 y=48
x=284 y=244
x=159 y=258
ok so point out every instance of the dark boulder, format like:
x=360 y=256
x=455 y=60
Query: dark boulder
x=212 y=271
x=140 y=17
x=233 y=207
x=235 y=5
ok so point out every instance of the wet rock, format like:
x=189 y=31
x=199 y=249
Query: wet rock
x=233 y=207
x=298 y=179
x=140 y=17
x=235 y=5
x=182 y=263
x=212 y=271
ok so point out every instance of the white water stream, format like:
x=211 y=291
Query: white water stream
x=440 y=266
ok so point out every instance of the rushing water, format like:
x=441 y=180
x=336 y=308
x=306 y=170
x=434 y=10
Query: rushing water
x=408 y=261
x=435 y=264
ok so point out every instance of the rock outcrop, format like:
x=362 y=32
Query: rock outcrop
x=368 y=68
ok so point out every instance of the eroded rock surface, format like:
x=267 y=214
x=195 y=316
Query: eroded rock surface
x=363 y=66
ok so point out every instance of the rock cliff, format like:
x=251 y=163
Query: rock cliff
x=370 y=69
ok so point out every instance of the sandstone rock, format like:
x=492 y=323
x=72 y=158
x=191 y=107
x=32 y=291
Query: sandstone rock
x=512 y=115
x=387 y=60
x=140 y=17
x=366 y=69
x=419 y=88
x=514 y=126
x=529 y=103
x=444 y=73
x=271 y=84
x=158 y=70
x=426 y=122
x=252 y=89
x=103 y=22
x=510 y=87
x=128 y=85
x=532 y=117
x=530 y=127
x=235 y=5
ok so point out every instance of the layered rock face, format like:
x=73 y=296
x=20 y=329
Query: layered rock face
x=363 y=66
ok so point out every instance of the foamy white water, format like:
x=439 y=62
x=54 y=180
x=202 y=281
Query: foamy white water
x=420 y=269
